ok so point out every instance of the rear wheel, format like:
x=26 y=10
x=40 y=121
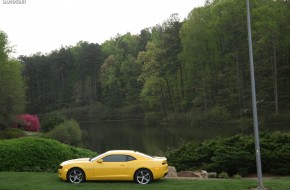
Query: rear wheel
x=143 y=176
x=75 y=175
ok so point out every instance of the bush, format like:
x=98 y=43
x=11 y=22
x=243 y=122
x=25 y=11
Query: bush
x=30 y=122
x=36 y=154
x=223 y=175
x=152 y=118
x=275 y=152
x=235 y=154
x=10 y=133
x=237 y=176
x=177 y=118
x=218 y=114
x=49 y=122
x=68 y=132
x=215 y=115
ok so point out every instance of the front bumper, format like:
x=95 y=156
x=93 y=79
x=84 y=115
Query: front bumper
x=62 y=173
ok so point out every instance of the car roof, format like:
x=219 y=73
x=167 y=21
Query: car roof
x=130 y=152
x=120 y=152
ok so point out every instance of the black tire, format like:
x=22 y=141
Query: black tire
x=76 y=175
x=143 y=176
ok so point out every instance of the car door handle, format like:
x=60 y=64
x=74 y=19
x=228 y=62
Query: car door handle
x=122 y=165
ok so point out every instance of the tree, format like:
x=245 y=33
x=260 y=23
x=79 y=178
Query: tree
x=271 y=31
x=30 y=122
x=112 y=92
x=153 y=93
x=12 y=87
x=87 y=60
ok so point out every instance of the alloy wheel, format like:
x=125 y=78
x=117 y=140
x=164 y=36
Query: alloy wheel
x=143 y=176
x=75 y=176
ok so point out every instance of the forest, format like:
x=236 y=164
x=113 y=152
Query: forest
x=193 y=71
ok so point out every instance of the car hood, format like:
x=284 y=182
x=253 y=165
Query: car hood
x=79 y=160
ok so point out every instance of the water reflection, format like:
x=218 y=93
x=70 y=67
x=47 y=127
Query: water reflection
x=135 y=135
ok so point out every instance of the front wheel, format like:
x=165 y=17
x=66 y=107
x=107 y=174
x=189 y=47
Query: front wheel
x=75 y=175
x=143 y=176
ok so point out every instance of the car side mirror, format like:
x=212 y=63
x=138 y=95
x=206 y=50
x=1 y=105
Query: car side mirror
x=100 y=161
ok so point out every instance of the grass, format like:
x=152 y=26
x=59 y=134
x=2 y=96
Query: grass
x=50 y=181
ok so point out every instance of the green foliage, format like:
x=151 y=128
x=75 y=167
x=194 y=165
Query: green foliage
x=152 y=94
x=276 y=120
x=177 y=118
x=152 y=118
x=235 y=154
x=218 y=114
x=10 y=133
x=94 y=113
x=215 y=115
x=70 y=77
x=237 y=176
x=275 y=152
x=68 y=132
x=197 y=67
x=223 y=175
x=12 y=87
x=50 y=121
x=111 y=85
x=36 y=154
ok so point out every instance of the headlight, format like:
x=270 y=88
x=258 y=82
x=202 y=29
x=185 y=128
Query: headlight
x=60 y=167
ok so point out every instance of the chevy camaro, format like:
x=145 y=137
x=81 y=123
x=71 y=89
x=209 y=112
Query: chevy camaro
x=115 y=165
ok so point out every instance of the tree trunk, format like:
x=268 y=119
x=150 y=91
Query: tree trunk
x=178 y=94
x=238 y=83
x=170 y=96
x=162 y=100
x=275 y=80
x=181 y=80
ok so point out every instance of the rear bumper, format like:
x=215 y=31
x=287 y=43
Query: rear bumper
x=165 y=174
x=160 y=172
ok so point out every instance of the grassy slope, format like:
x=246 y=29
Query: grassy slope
x=50 y=181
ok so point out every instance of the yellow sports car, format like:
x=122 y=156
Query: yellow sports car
x=115 y=165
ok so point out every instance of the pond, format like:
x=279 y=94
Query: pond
x=157 y=139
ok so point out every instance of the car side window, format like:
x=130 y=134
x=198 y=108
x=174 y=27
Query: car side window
x=115 y=158
x=130 y=158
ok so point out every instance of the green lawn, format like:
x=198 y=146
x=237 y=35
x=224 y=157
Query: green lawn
x=50 y=181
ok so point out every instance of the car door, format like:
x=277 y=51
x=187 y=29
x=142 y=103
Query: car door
x=111 y=167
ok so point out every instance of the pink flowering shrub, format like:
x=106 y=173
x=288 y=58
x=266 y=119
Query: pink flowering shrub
x=30 y=122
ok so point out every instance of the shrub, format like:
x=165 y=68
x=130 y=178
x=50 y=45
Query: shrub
x=36 y=154
x=30 y=122
x=217 y=114
x=275 y=152
x=223 y=175
x=10 y=133
x=49 y=122
x=178 y=118
x=68 y=132
x=152 y=118
x=237 y=176
x=235 y=154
